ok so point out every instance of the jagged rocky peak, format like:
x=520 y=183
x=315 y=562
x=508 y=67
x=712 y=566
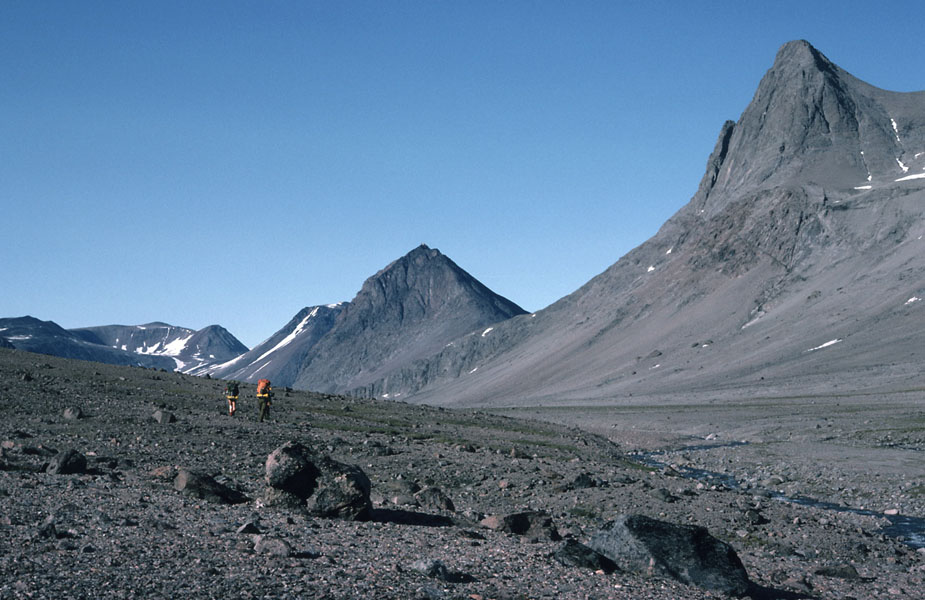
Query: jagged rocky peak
x=809 y=123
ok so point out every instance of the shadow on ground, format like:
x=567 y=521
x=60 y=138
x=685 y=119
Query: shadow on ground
x=407 y=517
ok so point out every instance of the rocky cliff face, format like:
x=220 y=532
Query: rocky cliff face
x=409 y=310
x=798 y=259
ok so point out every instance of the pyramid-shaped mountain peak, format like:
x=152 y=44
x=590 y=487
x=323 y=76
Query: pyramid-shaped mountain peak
x=410 y=309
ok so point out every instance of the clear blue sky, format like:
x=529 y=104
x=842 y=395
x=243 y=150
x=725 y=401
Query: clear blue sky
x=232 y=162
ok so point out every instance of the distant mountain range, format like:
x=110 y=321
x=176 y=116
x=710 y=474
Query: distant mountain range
x=799 y=262
x=154 y=345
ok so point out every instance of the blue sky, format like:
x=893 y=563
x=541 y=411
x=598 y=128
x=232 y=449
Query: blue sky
x=232 y=162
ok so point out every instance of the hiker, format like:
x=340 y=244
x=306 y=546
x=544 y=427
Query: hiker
x=264 y=398
x=231 y=393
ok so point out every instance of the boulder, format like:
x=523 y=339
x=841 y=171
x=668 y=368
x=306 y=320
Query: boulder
x=324 y=487
x=342 y=492
x=291 y=468
x=278 y=498
x=686 y=553
x=67 y=462
x=200 y=485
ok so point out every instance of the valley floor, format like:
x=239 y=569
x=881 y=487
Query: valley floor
x=120 y=529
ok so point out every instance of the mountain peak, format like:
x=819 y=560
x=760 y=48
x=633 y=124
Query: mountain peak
x=809 y=123
x=409 y=310
x=801 y=54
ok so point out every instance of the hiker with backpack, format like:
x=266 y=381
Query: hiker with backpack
x=231 y=393
x=264 y=399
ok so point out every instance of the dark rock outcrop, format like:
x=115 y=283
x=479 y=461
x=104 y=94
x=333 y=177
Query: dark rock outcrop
x=686 y=553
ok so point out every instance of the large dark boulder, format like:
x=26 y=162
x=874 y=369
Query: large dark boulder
x=291 y=468
x=324 y=487
x=343 y=492
x=686 y=553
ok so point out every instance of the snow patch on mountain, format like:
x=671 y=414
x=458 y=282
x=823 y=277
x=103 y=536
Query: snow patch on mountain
x=825 y=345
x=292 y=336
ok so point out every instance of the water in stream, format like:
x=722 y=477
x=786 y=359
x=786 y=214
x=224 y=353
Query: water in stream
x=911 y=530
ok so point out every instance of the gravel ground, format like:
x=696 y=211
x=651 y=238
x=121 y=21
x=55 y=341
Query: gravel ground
x=120 y=529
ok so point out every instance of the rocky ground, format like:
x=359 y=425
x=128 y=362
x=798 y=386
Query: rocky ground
x=442 y=483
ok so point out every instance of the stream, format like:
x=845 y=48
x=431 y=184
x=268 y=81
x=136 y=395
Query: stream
x=910 y=530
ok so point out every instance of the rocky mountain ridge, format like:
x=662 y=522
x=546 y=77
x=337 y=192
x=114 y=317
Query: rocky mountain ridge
x=154 y=345
x=799 y=257
x=280 y=356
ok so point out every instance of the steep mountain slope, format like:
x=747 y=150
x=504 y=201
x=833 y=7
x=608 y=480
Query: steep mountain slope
x=798 y=264
x=188 y=349
x=279 y=357
x=46 y=337
x=409 y=310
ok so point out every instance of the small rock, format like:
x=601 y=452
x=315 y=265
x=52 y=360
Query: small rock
x=203 y=486
x=663 y=495
x=163 y=416
x=574 y=554
x=67 y=462
x=584 y=481
x=535 y=525
x=754 y=517
x=249 y=527
x=272 y=545
x=842 y=571
x=434 y=499
x=431 y=568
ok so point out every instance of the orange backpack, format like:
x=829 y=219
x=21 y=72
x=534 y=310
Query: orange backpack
x=263 y=386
